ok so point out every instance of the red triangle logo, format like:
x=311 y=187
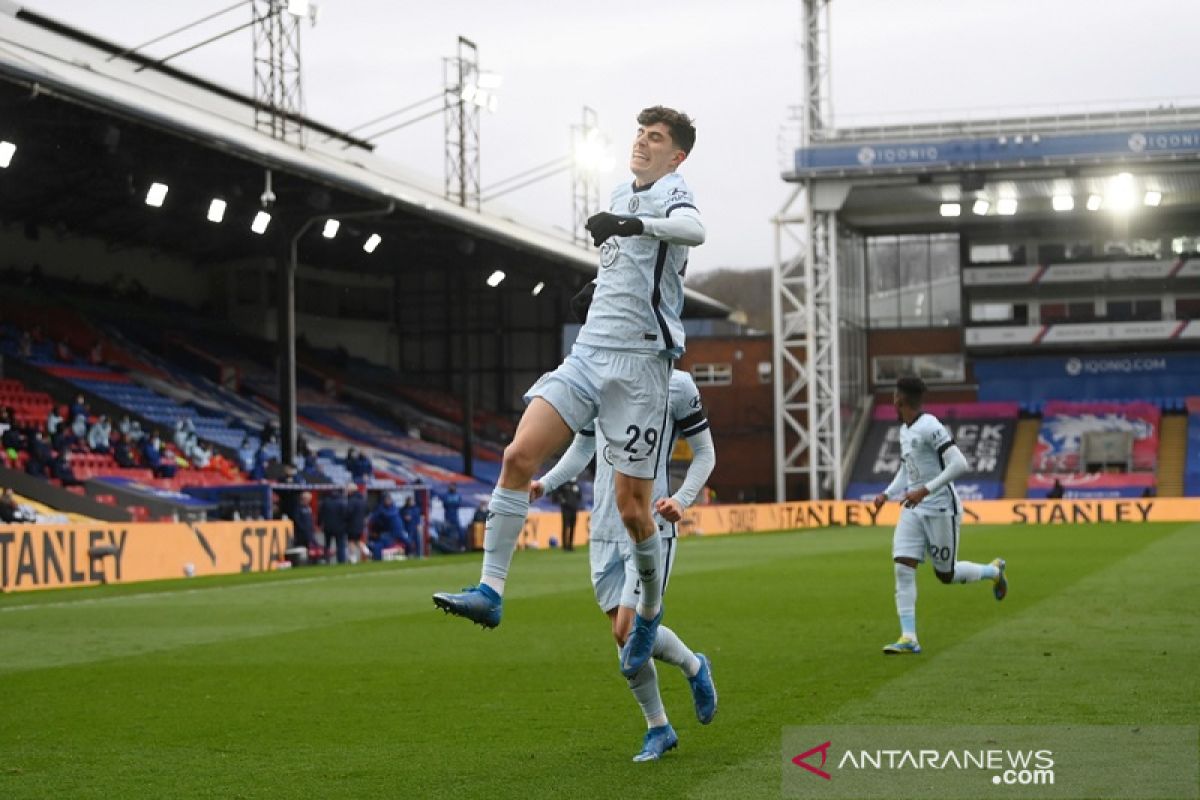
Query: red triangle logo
x=823 y=749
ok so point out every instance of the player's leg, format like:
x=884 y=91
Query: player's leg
x=613 y=582
x=670 y=648
x=908 y=548
x=950 y=570
x=633 y=418
x=541 y=431
x=660 y=736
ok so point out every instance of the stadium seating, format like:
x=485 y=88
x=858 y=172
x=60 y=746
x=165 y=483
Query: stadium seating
x=1191 y=479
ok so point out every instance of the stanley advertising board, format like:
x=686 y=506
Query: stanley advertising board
x=57 y=556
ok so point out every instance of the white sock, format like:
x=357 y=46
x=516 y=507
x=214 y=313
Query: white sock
x=906 y=599
x=647 y=556
x=670 y=649
x=506 y=517
x=644 y=686
x=970 y=572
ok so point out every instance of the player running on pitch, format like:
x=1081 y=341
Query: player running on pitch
x=932 y=513
x=614 y=578
x=617 y=373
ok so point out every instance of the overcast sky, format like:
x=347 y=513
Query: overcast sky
x=735 y=66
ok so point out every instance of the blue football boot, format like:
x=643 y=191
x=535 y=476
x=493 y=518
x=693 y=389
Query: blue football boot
x=480 y=604
x=658 y=741
x=638 y=647
x=704 y=691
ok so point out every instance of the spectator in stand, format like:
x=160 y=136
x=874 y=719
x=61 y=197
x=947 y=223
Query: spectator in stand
x=153 y=457
x=356 y=518
x=451 y=503
x=359 y=466
x=185 y=430
x=200 y=455
x=131 y=430
x=40 y=455
x=54 y=421
x=79 y=408
x=99 y=434
x=25 y=346
x=122 y=454
x=96 y=354
x=302 y=521
x=304 y=450
x=1056 y=491
x=332 y=517
x=13 y=439
x=79 y=429
x=410 y=515
x=63 y=353
x=388 y=527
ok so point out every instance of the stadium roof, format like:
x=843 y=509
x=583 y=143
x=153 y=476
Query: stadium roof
x=896 y=177
x=41 y=57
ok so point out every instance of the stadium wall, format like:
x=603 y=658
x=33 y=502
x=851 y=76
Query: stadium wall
x=719 y=520
x=55 y=557
x=740 y=413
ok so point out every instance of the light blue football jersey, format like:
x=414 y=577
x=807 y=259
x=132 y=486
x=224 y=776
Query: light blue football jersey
x=639 y=286
x=686 y=418
x=922 y=446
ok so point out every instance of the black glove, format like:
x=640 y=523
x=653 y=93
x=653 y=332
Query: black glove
x=582 y=301
x=605 y=225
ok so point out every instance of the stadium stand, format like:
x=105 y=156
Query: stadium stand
x=1191 y=481
x=1097 y=449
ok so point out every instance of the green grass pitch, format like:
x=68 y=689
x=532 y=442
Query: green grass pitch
x=345 y=682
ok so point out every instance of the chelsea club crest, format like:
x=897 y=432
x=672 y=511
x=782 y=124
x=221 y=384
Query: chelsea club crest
x=608 y=252
x=633 y=204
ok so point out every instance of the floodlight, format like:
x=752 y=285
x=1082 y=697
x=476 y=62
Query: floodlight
x=7 y=150
x=261 y=220
x=216 y=210
x=1006 y=206
x=372 y=242
x=950 y=209
x=495 y=278
x=1119 y=195
x=468 y=93
x=1094 y=202
x=331 y=228
x=156 y=195
x=592 y=152
x=1152 y=198
x=538 y=289
x=981 y=207
x=298 y=8
x=1062 y=202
